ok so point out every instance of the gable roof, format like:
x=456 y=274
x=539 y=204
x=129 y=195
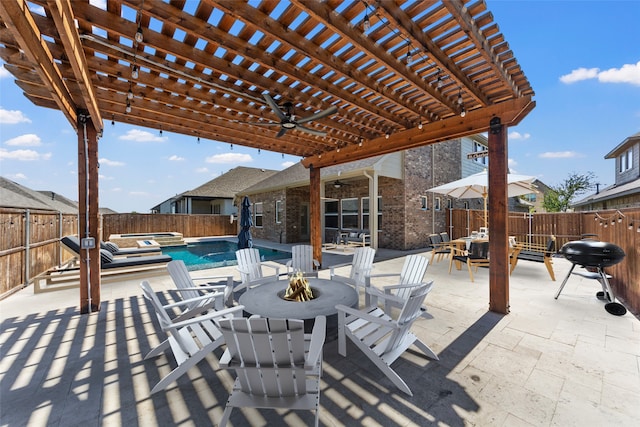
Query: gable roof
x=298 y=175
x=228 y=184
x=14 y=195
x=611 y=192
x=628 y=142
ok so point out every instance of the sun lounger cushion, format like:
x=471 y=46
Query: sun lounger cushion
x=135 y=261
x=105 y=256
x=117 y=250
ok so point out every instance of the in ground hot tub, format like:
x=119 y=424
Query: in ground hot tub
x=130 y=240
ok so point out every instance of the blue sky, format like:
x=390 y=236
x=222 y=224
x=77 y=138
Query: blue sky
x=581 y=57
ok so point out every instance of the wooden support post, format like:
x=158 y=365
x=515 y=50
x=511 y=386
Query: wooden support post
x=315 y=213
x=498 y=218
x=88 y=213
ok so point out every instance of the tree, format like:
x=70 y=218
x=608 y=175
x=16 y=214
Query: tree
x=559 y=197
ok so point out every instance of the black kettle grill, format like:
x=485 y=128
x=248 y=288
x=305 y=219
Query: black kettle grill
x=595 y=256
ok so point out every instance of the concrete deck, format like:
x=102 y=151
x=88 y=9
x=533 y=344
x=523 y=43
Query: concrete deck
x=549 y=362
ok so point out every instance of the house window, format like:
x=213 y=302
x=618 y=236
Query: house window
x=477 y=147
x=257 y=212
x=331 y=214
x=436 y=203
x=450 y=203
x=466 y=205
x=216 y=209
x=349 y=213
x=278 y=211
x=626 y=160
x=424 y=204
x=365 y=213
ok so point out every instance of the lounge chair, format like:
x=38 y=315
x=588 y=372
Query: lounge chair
x=66 y=278
x=198 y=299
x=276 y=364
x=190 y=340
x=413 y=271
x=302 y=260
x=379 y=336
x=118 y=251
x=361 y=266
x=250 y=268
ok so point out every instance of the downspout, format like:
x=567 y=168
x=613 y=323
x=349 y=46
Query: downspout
x=373 y=208
x=86 y=216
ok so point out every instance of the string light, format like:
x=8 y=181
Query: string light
x=130 y=93
x=366 y=25
x=387 y=135
x=134 y=72
x=463 y=112
x=139 y=37
x=420 y=124
x=409 y=57
x=113 y=120
x=127 y=109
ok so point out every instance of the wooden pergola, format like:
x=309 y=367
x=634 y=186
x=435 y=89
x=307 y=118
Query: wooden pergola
x=400 y=74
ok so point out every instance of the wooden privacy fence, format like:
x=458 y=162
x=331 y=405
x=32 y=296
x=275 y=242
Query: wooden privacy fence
x=620 y=227
x=188 y=225
x=29 y=244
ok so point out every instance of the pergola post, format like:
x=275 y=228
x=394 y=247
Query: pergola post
x=88 y=214
x=315 y=213
x=498 y=218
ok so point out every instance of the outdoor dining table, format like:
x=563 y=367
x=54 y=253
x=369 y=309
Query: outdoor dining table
x=267 y=300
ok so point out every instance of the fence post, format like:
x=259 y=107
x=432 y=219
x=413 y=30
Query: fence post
x=60 y=230
x=27 y=232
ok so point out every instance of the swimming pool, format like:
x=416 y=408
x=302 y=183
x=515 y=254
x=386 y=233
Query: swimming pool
x=219 y=253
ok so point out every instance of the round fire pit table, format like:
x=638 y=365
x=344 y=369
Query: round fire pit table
x=266 y=301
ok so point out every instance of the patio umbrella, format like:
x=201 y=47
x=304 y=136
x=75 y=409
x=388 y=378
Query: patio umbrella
x=477 y=185
x=244 y=237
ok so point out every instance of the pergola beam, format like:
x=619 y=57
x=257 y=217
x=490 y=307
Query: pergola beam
x=16 y=16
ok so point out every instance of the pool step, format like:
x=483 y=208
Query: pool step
x=170 y=241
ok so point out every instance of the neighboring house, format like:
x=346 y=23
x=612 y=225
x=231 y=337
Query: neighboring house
x=407 y=211
x=530 y=202
x=216 y=196
x=625 y=193
x=14 y=195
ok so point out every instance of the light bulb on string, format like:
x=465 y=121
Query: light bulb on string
x=127 y=109
x=420 y=125
x=134 y=72
x=139 y=37
x=463 y=112
x=366 y=25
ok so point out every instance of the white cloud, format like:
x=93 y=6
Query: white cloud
x=23 y=155
x=202 y=170
x=12 y=117
x=287 y=164
x=105 y=177
x=176 y=158
x=628 y=73
x=558 y=155
x=26 y=140
x=511 y=163
x=518 y=135
x=107 y=162
x=229 y=158
x=138 y=135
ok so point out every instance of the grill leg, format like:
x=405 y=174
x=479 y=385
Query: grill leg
x=564 y=282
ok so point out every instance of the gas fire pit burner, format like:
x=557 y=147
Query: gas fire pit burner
x=595 y=256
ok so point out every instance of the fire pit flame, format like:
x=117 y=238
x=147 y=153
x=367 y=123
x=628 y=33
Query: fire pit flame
x=298 y=289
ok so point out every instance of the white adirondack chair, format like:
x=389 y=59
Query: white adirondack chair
x=190 y=340
x=302 y=260
x=197 y=299
x=361 y=267
x=273 y=370
x=380 y=337
x=413 y=271
x=250 y=268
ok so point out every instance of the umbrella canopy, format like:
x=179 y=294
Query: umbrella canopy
x=244 y=237
x=477 y=185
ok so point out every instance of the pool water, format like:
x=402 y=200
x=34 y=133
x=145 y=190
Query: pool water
x=219 y=253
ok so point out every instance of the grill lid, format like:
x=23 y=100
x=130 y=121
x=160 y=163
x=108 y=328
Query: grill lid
x=591 y=253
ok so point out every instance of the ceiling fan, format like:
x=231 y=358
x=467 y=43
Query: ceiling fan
x=288 y=119
x=337 y=183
